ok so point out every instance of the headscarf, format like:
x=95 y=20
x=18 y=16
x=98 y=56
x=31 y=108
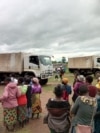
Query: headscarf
x=81 y=78
x=98 y=84
x=36 y=80
x=65 y=80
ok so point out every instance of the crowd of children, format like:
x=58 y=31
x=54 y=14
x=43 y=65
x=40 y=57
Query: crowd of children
x=20 y=101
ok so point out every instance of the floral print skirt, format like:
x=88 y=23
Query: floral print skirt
x=36 y=104
x=10 y=116
x=21 y=113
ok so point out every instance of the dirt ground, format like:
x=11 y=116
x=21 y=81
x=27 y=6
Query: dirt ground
x=35 y=125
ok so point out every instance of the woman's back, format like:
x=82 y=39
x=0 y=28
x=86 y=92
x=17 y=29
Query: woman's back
x=58 y=119
x=22 y=99
x=57 y=108
x=83 y=110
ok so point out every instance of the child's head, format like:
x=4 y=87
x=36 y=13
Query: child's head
x=27 y=80
x=20 y=80
x=7 y=80
x=98 y=80
x=58 y=91
x=98 y=85
x=64 y=80
x=89 y=79
x=83 y=89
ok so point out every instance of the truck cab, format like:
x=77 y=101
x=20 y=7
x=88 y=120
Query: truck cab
x=96 y=66
x=39 y=66
x=97 y=62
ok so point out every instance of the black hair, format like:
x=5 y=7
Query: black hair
x=83 y=89
x=8 y=79
x=58 y=91
x=20 y=80
x=27 y=80
x=63 y=83
x=89 y=79
x=13 y=75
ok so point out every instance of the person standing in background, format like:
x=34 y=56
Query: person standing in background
x=61 y=72
x=13 y=78
x=79 y=81
x=75 y=78
x=67 y=90
x=92 y=88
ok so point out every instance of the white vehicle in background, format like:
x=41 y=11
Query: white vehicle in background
x=85 y=65
x=22 y=64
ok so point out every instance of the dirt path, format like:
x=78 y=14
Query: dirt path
x=35 y=125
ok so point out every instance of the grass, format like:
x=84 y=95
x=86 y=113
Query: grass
x=52 y=82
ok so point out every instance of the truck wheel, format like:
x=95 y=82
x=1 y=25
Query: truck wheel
x=97 y=74
x=43 y=81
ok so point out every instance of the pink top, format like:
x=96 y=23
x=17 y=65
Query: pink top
x=9 y=97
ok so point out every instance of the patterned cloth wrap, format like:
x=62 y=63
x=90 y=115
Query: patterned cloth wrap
x=36 y=104
x=10 y=116
x=21 y=113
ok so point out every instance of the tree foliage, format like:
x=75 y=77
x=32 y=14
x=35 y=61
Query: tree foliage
x=63 y=59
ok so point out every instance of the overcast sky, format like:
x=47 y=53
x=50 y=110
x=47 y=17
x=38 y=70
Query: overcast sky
x=54 y=27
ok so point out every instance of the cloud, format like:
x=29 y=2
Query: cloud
x=59 y=28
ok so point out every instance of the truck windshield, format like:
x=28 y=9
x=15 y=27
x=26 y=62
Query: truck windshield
x=45 y=60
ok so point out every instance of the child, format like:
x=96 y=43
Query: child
x=58 y=112
x=66 y=89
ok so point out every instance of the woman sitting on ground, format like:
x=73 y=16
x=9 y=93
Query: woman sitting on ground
x=58 y=112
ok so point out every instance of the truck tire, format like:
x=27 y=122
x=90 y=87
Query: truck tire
x=43 y=81
x=97 y=74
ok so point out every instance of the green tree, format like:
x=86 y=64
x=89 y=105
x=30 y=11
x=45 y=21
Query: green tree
x=63 y=59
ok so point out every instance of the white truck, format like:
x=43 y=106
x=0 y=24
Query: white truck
x=85 y=65
x=22 y=64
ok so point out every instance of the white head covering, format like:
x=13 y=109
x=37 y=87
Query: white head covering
x=98 y=78
x=36 y=80
x=81 y=78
